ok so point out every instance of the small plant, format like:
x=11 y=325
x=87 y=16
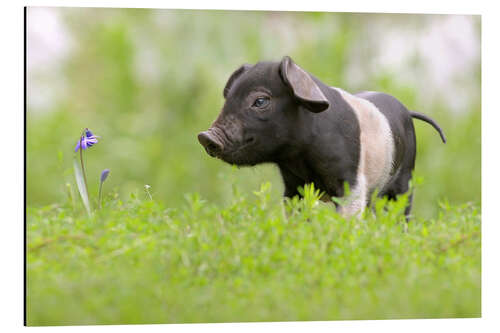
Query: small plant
x=104 y=175
x=87 y=140
x=264 y=195
x=148 y=193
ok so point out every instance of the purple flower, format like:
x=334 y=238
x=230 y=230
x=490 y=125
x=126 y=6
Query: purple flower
x=104 y=175
x=87 y=140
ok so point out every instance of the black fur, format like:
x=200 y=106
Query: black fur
x=307 y=147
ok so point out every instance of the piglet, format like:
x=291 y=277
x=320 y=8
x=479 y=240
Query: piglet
x=276 y=112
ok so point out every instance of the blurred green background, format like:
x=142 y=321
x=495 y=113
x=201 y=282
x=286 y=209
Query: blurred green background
x=147 y=81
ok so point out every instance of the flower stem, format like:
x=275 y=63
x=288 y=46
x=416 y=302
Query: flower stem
x=83 y=167
x=146 y=188
x=100 y=194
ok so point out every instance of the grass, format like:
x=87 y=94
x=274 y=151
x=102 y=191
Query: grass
x=137 y=261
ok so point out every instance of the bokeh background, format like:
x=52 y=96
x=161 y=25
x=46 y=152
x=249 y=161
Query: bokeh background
x=148 y=80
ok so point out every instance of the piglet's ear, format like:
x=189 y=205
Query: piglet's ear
x=304 y=89
x=237 y=73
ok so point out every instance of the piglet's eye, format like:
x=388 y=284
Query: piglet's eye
x=261 y=102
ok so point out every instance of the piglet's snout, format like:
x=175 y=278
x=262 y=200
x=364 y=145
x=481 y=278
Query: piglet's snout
x=210 y=142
